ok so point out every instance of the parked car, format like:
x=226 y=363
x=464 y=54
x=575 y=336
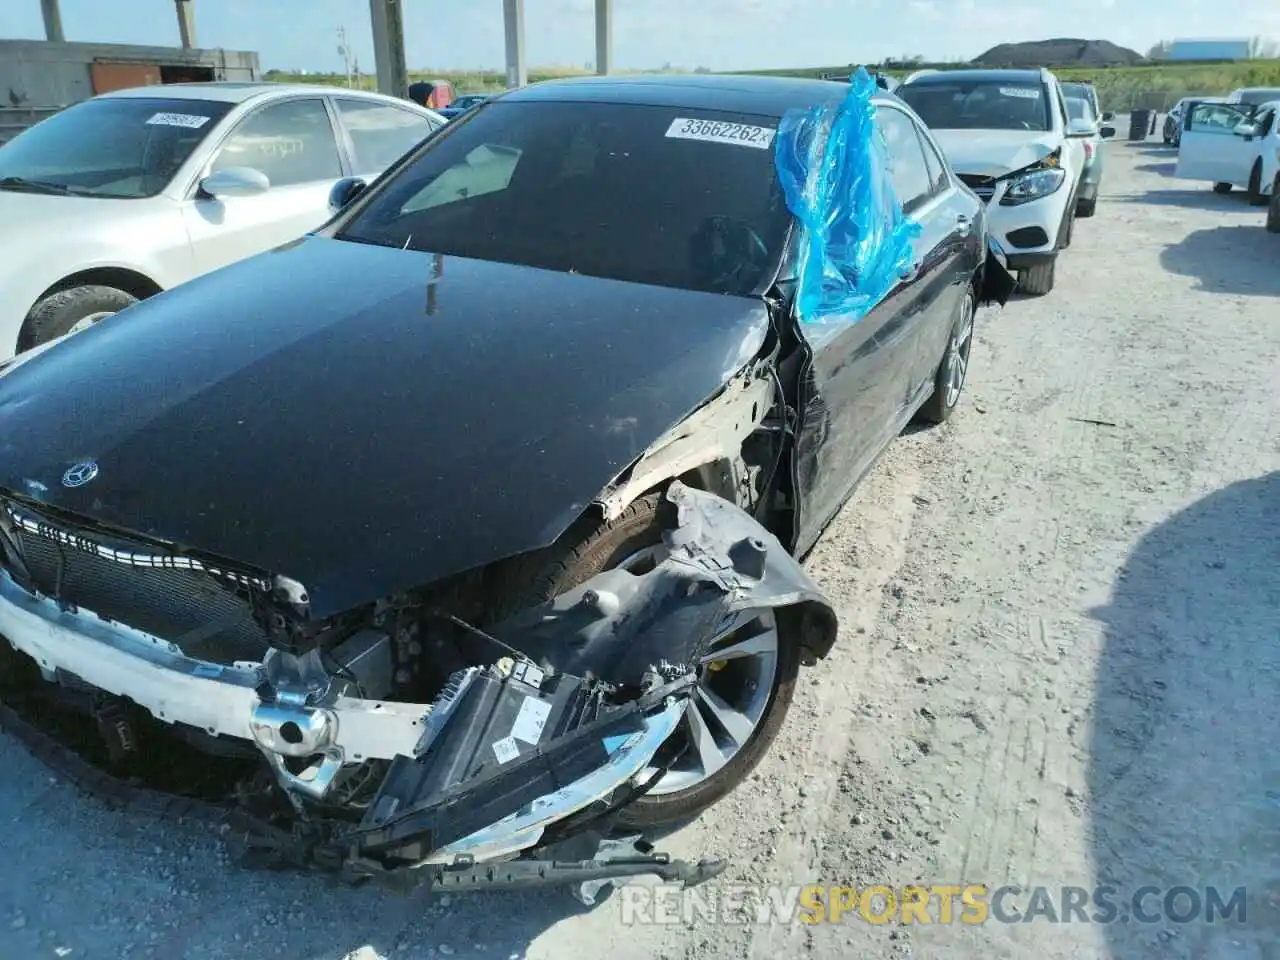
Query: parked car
x=1091 y=173
x=1255 y=96
x=1008 y=136
x=462 y=104
x=1087 y=91
x=1232 y=145
x=133 y=192
x=1172 y=132
x=450 y=479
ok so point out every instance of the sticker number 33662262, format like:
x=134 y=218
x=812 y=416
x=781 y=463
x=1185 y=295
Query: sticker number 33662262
x=722 y=131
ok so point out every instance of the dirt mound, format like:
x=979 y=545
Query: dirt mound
x=1058 y=53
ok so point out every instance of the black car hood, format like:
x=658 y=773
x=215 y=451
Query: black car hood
x=365 y=419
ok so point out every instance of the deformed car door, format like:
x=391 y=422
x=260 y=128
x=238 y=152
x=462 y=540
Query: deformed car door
x=1211 y=149
x=856 y=391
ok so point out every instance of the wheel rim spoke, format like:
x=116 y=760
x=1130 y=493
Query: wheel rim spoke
x=758 y=645
x=736 y=725
x=710 y=757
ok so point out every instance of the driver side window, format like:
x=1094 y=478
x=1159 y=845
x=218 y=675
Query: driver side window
x=291 y=142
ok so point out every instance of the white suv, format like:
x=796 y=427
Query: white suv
x=1008 y=138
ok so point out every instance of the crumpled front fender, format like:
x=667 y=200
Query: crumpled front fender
x=720 y=562
x=618 y=631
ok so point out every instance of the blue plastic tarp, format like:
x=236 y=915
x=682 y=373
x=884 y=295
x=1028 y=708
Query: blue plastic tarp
x=855 y=241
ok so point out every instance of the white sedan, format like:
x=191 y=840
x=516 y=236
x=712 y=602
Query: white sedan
x=130 y=193
x=1232 y=145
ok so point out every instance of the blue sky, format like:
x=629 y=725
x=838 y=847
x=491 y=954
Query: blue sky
x=719 y=34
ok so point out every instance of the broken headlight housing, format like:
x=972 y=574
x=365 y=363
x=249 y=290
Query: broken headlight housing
x=1033 y=185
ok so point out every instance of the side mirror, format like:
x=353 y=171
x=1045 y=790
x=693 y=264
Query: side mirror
x=344 y=191
x=1246 y=130
x=1108 y=116
x=1107 y=133
x=1081 y=128
x=235 y=182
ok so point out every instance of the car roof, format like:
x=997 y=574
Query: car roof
x=229 y=91
x=1009 y=76
x=732 y=93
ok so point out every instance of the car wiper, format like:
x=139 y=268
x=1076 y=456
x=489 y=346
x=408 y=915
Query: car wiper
x=37 y=186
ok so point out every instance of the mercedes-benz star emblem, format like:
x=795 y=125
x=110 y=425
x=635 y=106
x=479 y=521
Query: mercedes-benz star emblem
x=79 y=474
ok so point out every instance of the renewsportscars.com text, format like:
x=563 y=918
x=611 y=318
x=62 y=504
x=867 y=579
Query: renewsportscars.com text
x=929 y=904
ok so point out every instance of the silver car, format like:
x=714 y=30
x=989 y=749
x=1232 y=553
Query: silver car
x=130 y=193
x=1080 y=109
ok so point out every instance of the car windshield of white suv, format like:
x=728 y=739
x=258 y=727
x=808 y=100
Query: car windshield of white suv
x=120 y=147
x=967 y=104
x=671 y=196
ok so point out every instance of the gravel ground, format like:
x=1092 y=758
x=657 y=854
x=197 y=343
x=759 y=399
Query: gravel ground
x=1058 y=665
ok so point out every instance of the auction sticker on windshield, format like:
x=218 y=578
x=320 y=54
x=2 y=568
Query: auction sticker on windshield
x=722 y=131
x=189 y=120
x=1026 y=93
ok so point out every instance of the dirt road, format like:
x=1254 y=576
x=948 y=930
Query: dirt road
x=1060 y=665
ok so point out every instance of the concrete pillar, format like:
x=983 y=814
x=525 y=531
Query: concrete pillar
x=52 y=21
x=388 y=47
x=186 y=22
x=513 y=19
x=604 y=37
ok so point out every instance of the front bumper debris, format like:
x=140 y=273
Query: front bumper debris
x=509 y=762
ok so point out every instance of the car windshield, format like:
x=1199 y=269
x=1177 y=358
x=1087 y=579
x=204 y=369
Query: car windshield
x=675 y=197
x=122 y=147
x=969 y=104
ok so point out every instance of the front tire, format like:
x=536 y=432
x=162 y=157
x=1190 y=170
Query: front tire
x=949 y=381
x=1087 y=207
x=1273 y=209
x=63 y=311
x=1038 y=280
x=721 y=749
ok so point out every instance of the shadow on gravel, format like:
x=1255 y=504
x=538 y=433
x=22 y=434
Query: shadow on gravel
x=1234 y=259
x=1197 y=198
x=1164 y=169
x=1184 y=779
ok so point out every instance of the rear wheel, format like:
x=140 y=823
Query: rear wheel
x=746 y=679
x=72 y=309
x=1255 y=194
x=1273 y=210
x=1038 y=280
x=1222 y=188
x=1087 y=207
x=948 y=382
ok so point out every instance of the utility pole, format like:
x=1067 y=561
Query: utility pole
x=388 y=47
x=186 y=23
x=513 y=20
x=345 y=52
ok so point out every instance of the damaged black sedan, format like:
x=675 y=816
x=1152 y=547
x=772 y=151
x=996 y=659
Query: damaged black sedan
x=465 y=528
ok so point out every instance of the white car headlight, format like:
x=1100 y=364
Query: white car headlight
x=1033 y=186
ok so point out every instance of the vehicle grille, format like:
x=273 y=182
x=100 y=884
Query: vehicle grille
x=206 y=613
x=984 y=187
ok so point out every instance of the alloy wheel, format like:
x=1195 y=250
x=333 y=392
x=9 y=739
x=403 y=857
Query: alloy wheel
x=735 y=681
x=958 y=351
